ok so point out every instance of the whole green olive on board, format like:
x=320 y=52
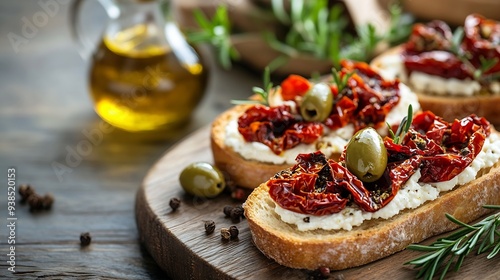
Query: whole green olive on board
x=317 y=103
x=202 y=179
x=366 y=155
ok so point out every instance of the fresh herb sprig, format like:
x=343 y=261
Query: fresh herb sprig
x=316 y=29
x=478 y=73
x=341 y=82
x=215 y=32
x=403 y=127
x=452 y=249
x=263 y=92
x=268 y=85
x=312 y=28
x=400 y=27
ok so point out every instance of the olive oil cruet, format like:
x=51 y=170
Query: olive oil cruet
x=143 y=74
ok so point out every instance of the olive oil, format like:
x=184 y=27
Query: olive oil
x=139 y=83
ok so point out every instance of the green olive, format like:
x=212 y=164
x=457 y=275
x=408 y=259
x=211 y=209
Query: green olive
x=317 y=103
x=366 y=155
x=202 y=179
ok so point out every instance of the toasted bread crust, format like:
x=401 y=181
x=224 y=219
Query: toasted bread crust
x=451 y=107
x=372 y=240
x=244 y=173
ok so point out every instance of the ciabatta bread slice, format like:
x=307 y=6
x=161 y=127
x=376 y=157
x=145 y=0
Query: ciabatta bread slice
x=250 y=172
x=448 y=106
x=372 y=240
x=243 y=172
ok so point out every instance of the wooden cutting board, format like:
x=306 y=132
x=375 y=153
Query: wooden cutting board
x=178 y=243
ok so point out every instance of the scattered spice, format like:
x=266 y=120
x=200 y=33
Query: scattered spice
x=209 y=227
x=47 y=201
x=236 y=214
x=227 y=210
x=34 y=200
x=175 y=203
x=25 y=191
x=37 y=202
x=85 y=239
x=233 y=230
x=306 y=220
x=240 y=207
x=225 y=234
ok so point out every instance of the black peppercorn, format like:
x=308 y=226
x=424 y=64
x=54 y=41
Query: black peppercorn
x=85 y=239
x=209 y=227
x=227 y=210
x=306 y=219
x=175 y=203
x=236 y=214
x=26 y=191
x=35 y=202
x=225 y=234
x=233 y=230
x=47 y=201
x=241 y=210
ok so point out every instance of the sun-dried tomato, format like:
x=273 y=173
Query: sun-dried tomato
x=277 y=128
x=438 y=63
x=482 y=39
x=365 y=101
x=446 y=149
x=317 y=186
x=429 y=48
x=293 y=86
x=296 y=191
x=435 y=35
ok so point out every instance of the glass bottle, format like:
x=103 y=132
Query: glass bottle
x=143 y=74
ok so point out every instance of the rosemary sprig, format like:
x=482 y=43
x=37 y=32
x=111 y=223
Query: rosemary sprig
x=452 y=249
x=313 y=28
x=215 y=32
x=263 y=92
x=362 y=47
x=403 y=127
x=400 y=25
x=316 y=29
x=486 y=65
x=341 y=82
x=478 y=73
x=456 y=41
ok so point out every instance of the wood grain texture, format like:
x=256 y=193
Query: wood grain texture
x=45 y=109
x=178 y=243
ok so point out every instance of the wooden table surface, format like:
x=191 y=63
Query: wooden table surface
x=45 y=115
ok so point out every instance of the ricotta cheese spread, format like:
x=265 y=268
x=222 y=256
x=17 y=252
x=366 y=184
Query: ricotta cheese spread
x=333 y=141
x=392 y=66
x=410 y=196
x=495 y=87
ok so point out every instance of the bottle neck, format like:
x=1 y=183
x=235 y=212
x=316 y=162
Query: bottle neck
x=142 y=10
x=138 y=27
